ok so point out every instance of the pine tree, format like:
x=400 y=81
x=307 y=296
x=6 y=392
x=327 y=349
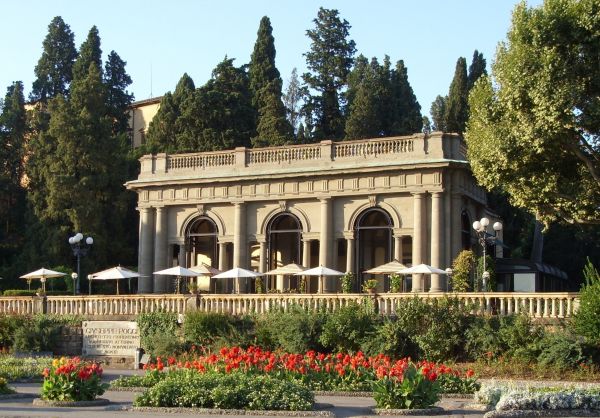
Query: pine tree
x=54 y=68
x=89 y=53
x=457 y=111
x=265 y=87
x=405 y=109
x=476 y=69
x=438 y=113
x=292 y=99
x=330 y=59
x=364 y=96
x=118 y=98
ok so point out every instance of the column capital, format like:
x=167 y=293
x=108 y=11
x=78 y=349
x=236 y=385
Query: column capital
x=326 y=199
x=238 y=203
x=437 y=194
x=349 y=235
x=418 y=195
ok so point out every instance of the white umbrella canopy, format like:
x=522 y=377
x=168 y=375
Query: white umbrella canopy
x=178 y=271
x=205 y=270
x=421 y=269
x=236 y=273
x=291 y=268
x=387 y=268
x=115 y=273
x=42 y=274
x=320 y=271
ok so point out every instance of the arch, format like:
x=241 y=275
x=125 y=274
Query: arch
x=210 y=214
x=389 y=209
x=201 y=242
x=284 y=246
x=298 y=213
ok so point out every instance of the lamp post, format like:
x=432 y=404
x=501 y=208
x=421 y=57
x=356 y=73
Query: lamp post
x=80 y=249
x=90 y=284
x=74 y=276
x=480 y=228
x=449 y=272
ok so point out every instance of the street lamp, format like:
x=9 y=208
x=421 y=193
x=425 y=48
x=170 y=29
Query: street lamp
x=90 y=284
x=484 y=239
x=449 y=272
x=80 y=249
x=74 y=277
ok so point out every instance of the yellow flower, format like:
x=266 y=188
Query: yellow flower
x=55 y=362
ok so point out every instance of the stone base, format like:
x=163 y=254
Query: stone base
x=71 y=404
x=544 y=413
x=434 y=410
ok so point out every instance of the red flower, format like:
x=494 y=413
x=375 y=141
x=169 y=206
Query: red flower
x=469 y=373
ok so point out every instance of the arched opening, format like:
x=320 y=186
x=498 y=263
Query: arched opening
x=465 y=232
x=201 y=244
x=284 y=234
x=373 y=231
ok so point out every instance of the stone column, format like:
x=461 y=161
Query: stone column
x=262 y=262
x=240 y=241
x=418 y=232
x=398 y=248
x=456 y=215
x=350 y=253
x=223 y=265
x=146 y=250
x=325 y=241
x=306 y=260
x=436 y=235
x=160 y=249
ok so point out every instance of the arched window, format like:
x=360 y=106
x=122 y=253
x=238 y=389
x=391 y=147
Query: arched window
x=201 y=242
x=465 y=232
x=284 y=234
x=373 y=230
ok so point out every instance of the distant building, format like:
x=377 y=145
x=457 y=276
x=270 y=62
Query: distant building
x=140 y=115
x=348 y=205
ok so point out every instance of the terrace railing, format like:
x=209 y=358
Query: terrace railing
x=536 y=305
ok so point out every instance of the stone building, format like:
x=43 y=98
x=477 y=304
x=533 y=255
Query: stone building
x=348 y=205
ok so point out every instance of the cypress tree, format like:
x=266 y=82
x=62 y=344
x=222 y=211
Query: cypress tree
x=265 y=86
x=53 y=71
x=457 y=107
x=438 y=113
x=405 y=109
x=330 y=59
x=476 y=69
x=364 y=96
x=89 y=53
x=292 y=99
x=118 y=99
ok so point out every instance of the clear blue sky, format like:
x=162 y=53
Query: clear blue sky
x=160 y=40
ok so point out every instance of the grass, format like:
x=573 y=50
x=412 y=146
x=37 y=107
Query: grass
x=12 y=368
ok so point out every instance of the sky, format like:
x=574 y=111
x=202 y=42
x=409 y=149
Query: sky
x=160 y=40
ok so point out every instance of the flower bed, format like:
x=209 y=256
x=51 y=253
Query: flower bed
x=72 y=380
x=4 y=388
x=13 y=368
x=316 y=371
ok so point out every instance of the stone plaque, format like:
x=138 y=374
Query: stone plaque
x=110 y=338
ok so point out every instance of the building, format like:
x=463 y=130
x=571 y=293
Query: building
x=141 y=113
x=348 y=205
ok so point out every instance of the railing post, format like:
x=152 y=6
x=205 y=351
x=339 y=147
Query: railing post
x=240 y=157
x=327 y=150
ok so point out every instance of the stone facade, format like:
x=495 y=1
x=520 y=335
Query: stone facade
x=346 y=205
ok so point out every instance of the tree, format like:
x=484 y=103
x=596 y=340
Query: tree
x=330 y=59
x=265 y=87
x=535 y=131
x=405 y=109
x=89 y=53
x=462 y=267
x=586 y=320
x=438 y=113
x=457 y=111
x=365 y=94
x=54 y=68
x=476 y=69
x=118 y=99
x=292 y=99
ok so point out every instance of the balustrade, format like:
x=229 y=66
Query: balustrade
x=536 y=305
x=201 y=160
x=373 y=147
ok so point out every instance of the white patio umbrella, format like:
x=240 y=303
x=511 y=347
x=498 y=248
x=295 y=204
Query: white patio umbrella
x=421 y=269
x=288 y=269
x=321 y=272
x=113 y=273
x=387 y=268
x=179 y=272
x=42 y=274
x=205 y=270
x=237 y=273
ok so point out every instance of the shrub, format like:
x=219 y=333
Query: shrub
x=153 y=325
x=411 y=387
x=586 y=320
x=346 y=328
x=72 y=380
x=203 y=328
x=41 y=333
x=396 y=282
x=390 y=338
x=560 y=351
x=227 y=391
x=295 y=331
x=12 y=368
x=4 y=388
x=462 y=266
x=520 y=338
x=482 y=339
x=8 y=325
x=347 y=282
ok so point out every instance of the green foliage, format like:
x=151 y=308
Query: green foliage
x=541 y=106
x=19 y=368
x=295 y=331
x=457 y=111
x=329 y=61
x=89 y=54
x=155 y=324
x=204 y=328
x=346 y=328
x=396 y=283
x=462 y=266
x=118 y=98
x=227 y=391
x=8 y=325
x=147 y=380
x=39 y=333
x=72 y=380
x=560 y=351
x=476 y=69
x=347 y=282
x=4 y=388
x=390 y=338
x=414 y=391
x=451 y=383
x=490 y=267
x=586 y=320
x=438 y=113
x=53 y=71
x=291 y=101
